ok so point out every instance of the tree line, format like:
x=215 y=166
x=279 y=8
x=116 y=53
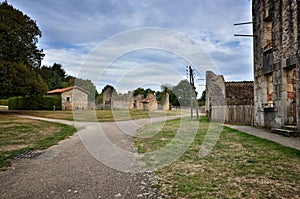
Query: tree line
x=21 y=73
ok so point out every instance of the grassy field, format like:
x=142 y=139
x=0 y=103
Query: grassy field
x=239 y=166
x=18 y=135
x=100 y=115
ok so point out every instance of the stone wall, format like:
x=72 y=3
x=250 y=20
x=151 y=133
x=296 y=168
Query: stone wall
x=107 y=98
x=215 y=95
x=134 y=102
x=239 y=93
x=276 y=26
x=230 y=102
x=74 y=99
x=215 y=90
x=166 y=105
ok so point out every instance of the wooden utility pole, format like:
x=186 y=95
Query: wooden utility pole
x=193 y=92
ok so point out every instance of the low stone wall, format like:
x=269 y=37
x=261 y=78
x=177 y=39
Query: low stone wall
x=3 y=108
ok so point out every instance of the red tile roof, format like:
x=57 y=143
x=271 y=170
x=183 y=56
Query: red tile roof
x=147 y=100
x=61 y=90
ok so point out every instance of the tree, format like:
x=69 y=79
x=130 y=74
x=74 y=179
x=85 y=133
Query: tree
x=201 y=101
x=54 y=76
x=161 y=95
x=142 y=91
x=19 y=36
x=19 y=55
x=139 y=91
x=182 y=93
x=108 y=87
x=85 y=84
x=19 y=80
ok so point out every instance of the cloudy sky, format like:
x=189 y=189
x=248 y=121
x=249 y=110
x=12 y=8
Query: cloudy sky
x=147 y=43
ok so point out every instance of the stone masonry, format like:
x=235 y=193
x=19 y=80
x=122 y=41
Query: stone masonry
x=72 y=98
x=276 y=28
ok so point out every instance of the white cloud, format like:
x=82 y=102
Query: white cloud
x=70 y=59
x=72 y=28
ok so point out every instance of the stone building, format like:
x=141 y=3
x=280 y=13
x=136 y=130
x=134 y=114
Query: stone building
x=135 y=102
x=121 y=101
x=149 y=103
x=108 y=98
x=72 y=98
x=229 y=102
x=276 y=28
x=113 y=100
x=239 y=93
x=140 y=103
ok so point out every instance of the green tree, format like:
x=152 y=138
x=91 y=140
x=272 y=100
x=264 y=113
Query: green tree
x=54 y=76
x=182 y=91
x=19 y=55
x=161 y=95
x=108 y=87
x=85 y=84
x=201 y=101
x=142 y=91
x=139 y=91
x=19 y=36
x=19 y=80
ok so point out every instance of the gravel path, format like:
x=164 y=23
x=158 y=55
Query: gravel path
x=69 y=170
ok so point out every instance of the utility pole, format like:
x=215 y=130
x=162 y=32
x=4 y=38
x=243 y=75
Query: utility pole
x=193 y=92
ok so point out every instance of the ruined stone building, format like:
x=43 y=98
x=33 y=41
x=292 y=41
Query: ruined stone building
x=229 y=102
x=108 y=98
x=72 y=98
x=149 y=103
x=113 y=100
x=215 y=91
x=276 y=28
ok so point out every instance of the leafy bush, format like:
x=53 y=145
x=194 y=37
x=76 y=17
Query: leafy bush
x=50 y=101
x=26 y=103
x=16 y=103
x=3 y=102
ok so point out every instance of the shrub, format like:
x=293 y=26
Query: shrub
x=26 y=103
x=3 y=102
x=16 y=103
x=49 y=101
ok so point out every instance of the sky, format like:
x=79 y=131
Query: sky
x=144 y=43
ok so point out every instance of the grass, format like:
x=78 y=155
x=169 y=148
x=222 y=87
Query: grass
x=100 y=115
x=18 y=135
x=239 y=166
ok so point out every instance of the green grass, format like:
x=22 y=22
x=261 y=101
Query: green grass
x=239 y=166
x=100 y=115
x=18 y=135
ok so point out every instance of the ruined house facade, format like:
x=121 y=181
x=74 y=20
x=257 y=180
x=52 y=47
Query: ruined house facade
x=149 y=103
x=107 y=98
x=112 y=100
x=276 y=28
